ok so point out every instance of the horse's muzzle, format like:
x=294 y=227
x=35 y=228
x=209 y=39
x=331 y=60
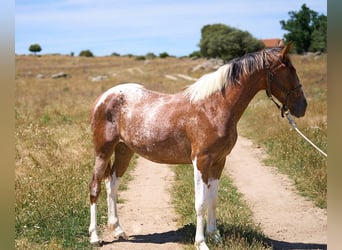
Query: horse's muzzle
x=299 y=109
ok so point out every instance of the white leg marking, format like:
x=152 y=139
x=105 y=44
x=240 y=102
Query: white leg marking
x=112 y=185
x=212 y=204
x=200 y=206
x=94 y=238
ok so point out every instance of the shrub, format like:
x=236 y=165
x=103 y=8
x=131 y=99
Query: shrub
x=150 y=55
x=86 y=53
x=164 y=55
x=115 y=54
x=196 y=54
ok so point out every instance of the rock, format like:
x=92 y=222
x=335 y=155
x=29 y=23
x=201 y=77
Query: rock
x=211 y=64
x=98 y=78
x=171 y=77
x=60 y=75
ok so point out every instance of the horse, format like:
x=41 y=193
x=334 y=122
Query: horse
x=197 y=125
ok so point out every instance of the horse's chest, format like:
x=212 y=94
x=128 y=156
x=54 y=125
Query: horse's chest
x=225 y=144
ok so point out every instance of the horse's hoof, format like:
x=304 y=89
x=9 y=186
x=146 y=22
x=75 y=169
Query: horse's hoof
x=201 y=246
x=96 y=242
x=215 y=237
x=118 y=232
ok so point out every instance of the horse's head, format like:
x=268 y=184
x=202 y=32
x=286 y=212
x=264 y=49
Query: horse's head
x=282 y=82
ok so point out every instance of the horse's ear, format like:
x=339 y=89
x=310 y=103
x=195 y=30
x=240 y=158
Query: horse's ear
x=281 y=43
x=286 y=50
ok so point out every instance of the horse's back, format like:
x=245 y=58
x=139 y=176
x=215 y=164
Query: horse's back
x=150 y=123
x=127 y=89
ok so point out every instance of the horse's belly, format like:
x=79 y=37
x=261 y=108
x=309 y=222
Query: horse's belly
x=168 y=151
x=168 y=156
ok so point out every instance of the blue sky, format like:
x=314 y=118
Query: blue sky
x=142 y=26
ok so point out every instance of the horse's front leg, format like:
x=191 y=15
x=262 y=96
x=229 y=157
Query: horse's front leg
x=94 y=237
x=206 y=178
x=212 y=196
x=112 y=185
x=200 y=206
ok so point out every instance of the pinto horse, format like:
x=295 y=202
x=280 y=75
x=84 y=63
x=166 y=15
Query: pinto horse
x=197 y=125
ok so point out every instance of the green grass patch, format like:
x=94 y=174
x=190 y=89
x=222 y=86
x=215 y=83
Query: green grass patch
x=234 y=218
x=306 y=166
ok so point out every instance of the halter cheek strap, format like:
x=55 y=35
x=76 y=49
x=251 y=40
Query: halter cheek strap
x=269 y=94
x=269 y=78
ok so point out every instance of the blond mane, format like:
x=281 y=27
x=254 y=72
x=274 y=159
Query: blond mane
x=230 y=74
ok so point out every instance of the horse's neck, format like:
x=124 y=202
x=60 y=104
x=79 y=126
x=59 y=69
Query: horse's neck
x=238 y=97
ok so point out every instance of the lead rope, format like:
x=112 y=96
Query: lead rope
x=294 y=126
x=283 y=109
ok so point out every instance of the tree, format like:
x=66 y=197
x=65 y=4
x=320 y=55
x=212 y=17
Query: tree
x=34 y=48
x=307 y=30
x=86 y=53
x=225 y=42
x=163 y=55
x=319 y=35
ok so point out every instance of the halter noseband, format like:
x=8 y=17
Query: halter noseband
x=269 y=78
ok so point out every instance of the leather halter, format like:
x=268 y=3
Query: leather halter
x=269 y=79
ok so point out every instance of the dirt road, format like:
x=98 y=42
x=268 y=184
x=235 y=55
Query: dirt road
x=147 y=215
x=288 y=219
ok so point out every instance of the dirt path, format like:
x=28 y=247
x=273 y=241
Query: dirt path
x=147 y=215
x=290 y=221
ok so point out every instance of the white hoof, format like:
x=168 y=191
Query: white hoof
x=201 y=246
x=215 y=237
x=118 y=232
x=94 y=239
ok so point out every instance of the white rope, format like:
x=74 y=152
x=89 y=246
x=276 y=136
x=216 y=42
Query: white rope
x=293 y=124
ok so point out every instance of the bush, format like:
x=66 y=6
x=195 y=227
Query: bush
x=115 y=54
x=196 y=54
x=150 y=55
x=225 y=42
x=140 y=58
x=164 y=55
x=86 y=53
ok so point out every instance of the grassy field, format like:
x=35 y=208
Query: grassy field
x=54 y=156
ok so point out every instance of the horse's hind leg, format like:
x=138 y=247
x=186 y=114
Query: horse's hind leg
x=123 y=156
x=102 y=164
x=104 y=148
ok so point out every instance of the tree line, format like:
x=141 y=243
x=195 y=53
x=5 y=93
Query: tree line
x=306 y=29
